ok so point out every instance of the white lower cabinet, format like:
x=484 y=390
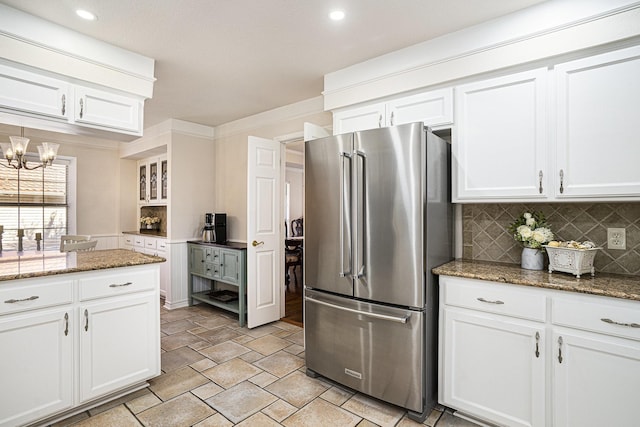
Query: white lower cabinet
x=36 y=365
x=496 y=368
x=118 y=343
x=576 y=365
x=97 y=334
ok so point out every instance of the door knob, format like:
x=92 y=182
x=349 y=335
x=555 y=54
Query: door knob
x=255 y=243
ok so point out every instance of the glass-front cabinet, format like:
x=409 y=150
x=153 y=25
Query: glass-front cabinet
x=153 y=181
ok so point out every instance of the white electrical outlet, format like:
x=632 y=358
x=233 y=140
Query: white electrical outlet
x=616 y=238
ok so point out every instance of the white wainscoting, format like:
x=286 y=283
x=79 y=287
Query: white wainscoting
x=107 y=241
x=177 y=290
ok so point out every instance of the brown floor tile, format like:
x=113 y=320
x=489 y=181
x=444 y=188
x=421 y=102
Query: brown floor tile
x=231 y=372
x=261 y=331
x=181 y=339
x=118 y=416
x=380 y=413
x=72 y=420
x=263 y=379
x=143 y=403
x=216 y=420
x=220 y=353
x=171 y=328
x=321 y=413
x=172 y=384
x=182 y=356
x=214 y=322
x=203 y=365
x=258 y=420
x=252 y=356
x=296 y=338
x=336 y=395
x=294 y=349
x=366 y=423
x=241 y=401
x=279 y=410
x=267 y=344
x=184 y=410
x=297 y=389
x=207 y=390
x=280 y=363
x=219 y=335
x=118 y=401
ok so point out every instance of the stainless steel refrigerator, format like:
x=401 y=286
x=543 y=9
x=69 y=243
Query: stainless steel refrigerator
x=377 y=219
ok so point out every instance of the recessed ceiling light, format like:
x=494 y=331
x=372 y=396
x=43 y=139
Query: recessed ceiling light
x=337 y=15
x=85 y=14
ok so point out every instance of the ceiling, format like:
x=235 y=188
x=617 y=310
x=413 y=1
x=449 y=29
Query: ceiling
x=221 y=60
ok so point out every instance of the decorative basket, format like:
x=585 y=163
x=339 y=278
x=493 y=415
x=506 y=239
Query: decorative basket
x=570 y=260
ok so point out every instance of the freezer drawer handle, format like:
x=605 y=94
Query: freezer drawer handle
x=399 y=319
x=613 y=322
x=490 y=302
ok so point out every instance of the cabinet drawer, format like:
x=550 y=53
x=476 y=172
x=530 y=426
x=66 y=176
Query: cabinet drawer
x=128 y=239
x=138 y=241
x=212 y=255
x=212 y=270
x=118 y=283
x=23 y=297
x=616 y=317
x=493 y=297
x=150 y=243
x=162 y=244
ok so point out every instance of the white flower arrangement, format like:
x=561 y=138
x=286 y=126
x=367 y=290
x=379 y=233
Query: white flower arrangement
x=531 y=229
x=148 y=220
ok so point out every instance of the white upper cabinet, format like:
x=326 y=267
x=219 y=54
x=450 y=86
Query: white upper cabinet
x=33 y=93
x=105 y=109
x=499 y=145
x=361 y=118
x=598 y=109
x=434 y=108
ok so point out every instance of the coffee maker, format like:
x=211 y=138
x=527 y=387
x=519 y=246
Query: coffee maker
x=215 y=228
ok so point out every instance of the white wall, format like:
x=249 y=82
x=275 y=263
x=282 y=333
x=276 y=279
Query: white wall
x=231 y=155
x=295 y=177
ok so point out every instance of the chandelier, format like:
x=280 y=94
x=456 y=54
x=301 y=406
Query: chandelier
x=17 y=150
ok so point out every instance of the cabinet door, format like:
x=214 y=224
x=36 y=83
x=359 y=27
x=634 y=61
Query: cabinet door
x=33 y=93
x=142 y=182
x=598 y=106
x=153 y=181
x=433 y=108
x=164 y=179
x=196 y=259
x=230 y=266
x=119 y=343
x=105 y=109
x=37 y=365
x=362 y=118
x=500 y=142
x=494 y=367
x=595 y=380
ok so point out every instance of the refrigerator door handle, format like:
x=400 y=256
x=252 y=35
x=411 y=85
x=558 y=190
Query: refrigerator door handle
x=399 y=319
x=345 y=214
x=359 y=250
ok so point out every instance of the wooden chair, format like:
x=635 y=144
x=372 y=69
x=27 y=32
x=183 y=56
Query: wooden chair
x=76 y=243
x=292 y=258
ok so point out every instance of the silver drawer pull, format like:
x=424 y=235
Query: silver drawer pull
x=612 y=322
x=13 y=301
x=490 y=302
x=114 y=285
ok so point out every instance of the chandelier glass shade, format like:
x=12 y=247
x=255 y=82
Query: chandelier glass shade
x=17 y=149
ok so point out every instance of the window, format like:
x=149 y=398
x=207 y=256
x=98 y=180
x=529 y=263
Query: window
x=35 y=201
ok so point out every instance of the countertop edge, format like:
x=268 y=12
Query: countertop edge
x=603 y=284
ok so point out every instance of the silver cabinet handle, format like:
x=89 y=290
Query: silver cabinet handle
x=398 y=319
x=13 y=301
x=380 y=121
x=64 y=104
x=81 y=108
x=392 y=113
x=560 y=349
x=490 y=302
x=540 y=182
x=561 y=181
x=115 y=285
x=613 y=322
x=86 y=319
x=537 y=344
x=66 y=324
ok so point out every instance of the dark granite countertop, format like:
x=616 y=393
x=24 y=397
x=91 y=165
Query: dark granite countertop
x=22 y=265
x=230 y=245
x=610 y=285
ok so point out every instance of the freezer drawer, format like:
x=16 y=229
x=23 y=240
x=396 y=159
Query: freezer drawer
x=375 y=349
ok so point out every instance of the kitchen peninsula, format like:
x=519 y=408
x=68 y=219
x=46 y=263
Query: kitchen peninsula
x=76 y=329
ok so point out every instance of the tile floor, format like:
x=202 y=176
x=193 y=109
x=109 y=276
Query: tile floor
x=215 y=373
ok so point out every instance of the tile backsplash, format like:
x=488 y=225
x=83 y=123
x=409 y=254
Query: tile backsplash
x=159 y=211
x=485 y=236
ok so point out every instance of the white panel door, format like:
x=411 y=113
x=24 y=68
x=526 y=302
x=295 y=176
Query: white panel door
x=264 y=251
x=598 y=106
x=494 y=368
x=36 y=365
x=499 y=146
x=596 y=380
